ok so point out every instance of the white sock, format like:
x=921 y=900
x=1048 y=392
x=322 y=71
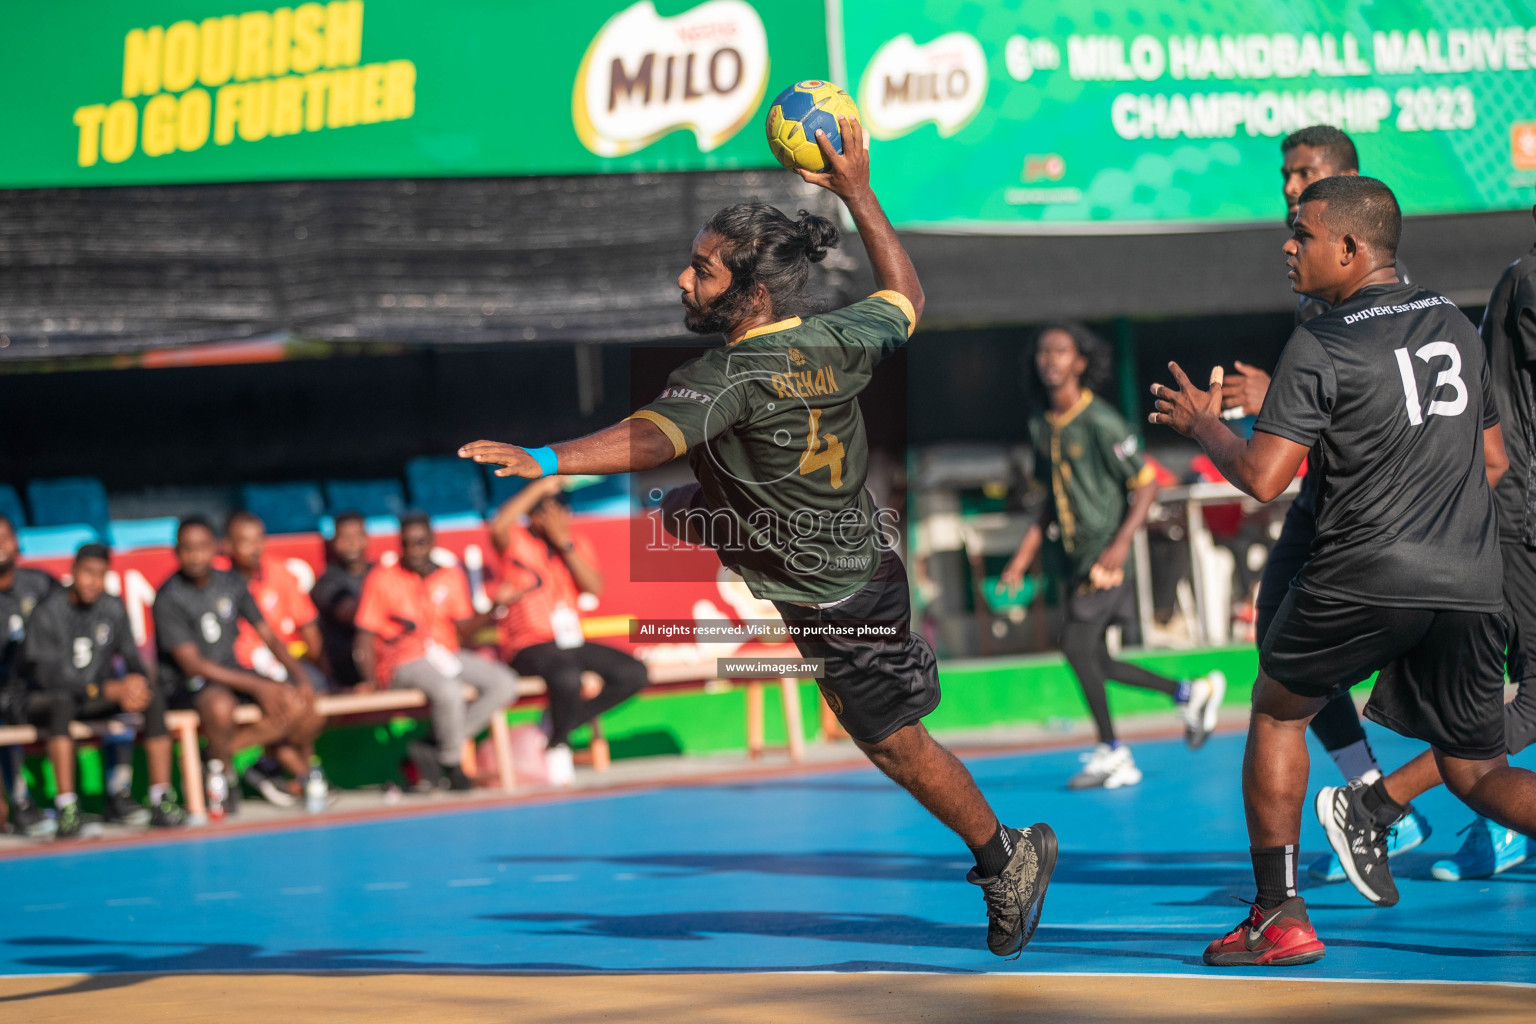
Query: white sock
x=1357 y=762
x=156 y=793
x=63 y=800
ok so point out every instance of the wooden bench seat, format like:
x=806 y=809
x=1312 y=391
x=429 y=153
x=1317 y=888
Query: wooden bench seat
x=183 y=725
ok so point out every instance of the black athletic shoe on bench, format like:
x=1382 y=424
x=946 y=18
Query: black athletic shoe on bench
x=1015 y=897
x=1358 y=839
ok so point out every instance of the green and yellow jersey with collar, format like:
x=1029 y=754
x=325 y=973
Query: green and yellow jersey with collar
x=1091 y=461
x=772 y=430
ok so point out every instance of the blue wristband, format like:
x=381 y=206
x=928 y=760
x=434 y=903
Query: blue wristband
x=546 y=459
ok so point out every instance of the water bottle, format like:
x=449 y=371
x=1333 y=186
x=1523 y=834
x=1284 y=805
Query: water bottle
x=316 y=790
x=218 y=790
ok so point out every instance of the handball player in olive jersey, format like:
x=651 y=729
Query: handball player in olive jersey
x=771 y=428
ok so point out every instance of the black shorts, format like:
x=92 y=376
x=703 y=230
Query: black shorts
x=183 y=697
x=1286 y=558
x=1112 y=606
x=1442 y=672
x=1520 y=609
x=874 y=688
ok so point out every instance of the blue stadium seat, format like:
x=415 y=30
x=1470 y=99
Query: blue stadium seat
x=600 y=495
x=370 y=497
x=285 y=508
x=55 y=541
x=130 y=534
x=10 y=506
x=69 y=500
x=445 y=485
x=502 y=487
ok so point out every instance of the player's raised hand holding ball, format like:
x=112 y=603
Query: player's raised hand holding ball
x=814 y=130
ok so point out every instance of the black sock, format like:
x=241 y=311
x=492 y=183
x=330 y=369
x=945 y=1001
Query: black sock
x=992 y=858
x=1379 y=802
x=1274 y=869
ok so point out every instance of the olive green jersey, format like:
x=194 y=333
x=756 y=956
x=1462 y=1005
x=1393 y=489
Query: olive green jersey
x=772 y=429
x=1091 y=461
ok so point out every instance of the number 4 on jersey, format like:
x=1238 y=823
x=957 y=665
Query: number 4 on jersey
x=1447 y=378
x=831 y=456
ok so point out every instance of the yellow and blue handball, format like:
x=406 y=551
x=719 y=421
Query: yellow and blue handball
x=797 y=112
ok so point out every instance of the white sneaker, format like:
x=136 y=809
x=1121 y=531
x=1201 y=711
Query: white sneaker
x=1200 y=713
x=1106 y=768
x=558 y=765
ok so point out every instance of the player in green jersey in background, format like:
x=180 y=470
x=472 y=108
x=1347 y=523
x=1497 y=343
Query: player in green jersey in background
x=771 y=427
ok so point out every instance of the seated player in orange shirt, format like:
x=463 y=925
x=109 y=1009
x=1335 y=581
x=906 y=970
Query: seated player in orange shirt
x=413 y=621
x=549 y=569
x=288 y=610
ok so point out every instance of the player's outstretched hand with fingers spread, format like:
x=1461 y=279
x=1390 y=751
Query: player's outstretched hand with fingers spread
x=847 y=173
x=515 y=460
x=1245 y=388
x=1183 y=407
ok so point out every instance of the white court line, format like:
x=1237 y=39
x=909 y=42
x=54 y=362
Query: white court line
x=628 y=876
x=303 y=890
x=226 y=895
x=45 y=906
x=132 y=901
x=459 y=883
x=554 y=878
x=383 y=886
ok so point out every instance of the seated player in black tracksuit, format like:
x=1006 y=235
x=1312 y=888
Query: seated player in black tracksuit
x=22 y=589
x=83 y=665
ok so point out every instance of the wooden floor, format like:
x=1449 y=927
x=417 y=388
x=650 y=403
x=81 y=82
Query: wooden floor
x=737 y=998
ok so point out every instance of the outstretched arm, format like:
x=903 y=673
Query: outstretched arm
x=847 y=177
x=1262 y=466
x=626 y=447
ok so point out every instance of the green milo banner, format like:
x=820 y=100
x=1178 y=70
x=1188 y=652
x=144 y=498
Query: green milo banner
x=1125 y=115
x=101 y=92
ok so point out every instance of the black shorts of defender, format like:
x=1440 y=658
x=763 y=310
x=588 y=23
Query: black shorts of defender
x=1102 y=608
x=874 y=687
x=1442 y=672
x=182 y=697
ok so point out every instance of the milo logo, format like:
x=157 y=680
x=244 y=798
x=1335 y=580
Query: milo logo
x=907 y=85
x=645 y=76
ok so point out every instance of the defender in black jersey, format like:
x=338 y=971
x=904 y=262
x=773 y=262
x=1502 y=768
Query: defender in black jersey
x=1391 y=387
x=1509 y=332
x=83 y=662
x=1308 y=155
x=771 y=427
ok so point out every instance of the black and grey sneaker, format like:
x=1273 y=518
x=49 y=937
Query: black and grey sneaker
x=1359 y=840
x=73 y=824
x=122 y=809
x=457 y=780
x=32 y=821
x=1015 y=897
x=269 y=787
x=429 y=770
x=167 y=814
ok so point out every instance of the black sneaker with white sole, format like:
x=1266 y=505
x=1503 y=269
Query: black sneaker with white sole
x=167 y=814
x=269 y=787
x=122 y=809
x=1359 y=840
x=1015 y=896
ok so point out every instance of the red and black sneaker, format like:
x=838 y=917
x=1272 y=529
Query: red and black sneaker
x=1282 y=937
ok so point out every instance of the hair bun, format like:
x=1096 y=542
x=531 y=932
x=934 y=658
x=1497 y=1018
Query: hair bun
x=818 y=234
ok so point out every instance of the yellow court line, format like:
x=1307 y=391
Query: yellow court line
x=791 y=998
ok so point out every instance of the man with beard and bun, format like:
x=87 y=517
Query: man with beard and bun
x=1391 y=388
x=81 y=657
x=771 y=426
x=21 y=591
x=1312 y=154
